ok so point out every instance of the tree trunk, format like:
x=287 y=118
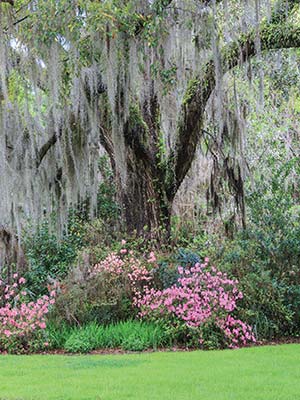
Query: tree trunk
x=12 y=257
x=146 y=208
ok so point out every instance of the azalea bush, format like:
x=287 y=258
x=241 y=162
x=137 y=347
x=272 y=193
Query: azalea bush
x=197 y=310
x=104 y=291
x=202 y=297
x=200 y=305
x=22 y=322
x=136 y=273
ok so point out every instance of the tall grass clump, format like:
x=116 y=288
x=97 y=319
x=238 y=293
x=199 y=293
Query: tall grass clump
x=128 y=336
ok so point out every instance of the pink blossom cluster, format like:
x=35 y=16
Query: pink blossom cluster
x=201 y=295
x=140 y=278
x=113 y=264
x=21 y=319
x=236 y=331
x=125 y=264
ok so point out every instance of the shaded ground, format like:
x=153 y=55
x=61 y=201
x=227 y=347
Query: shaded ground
x=259 y=373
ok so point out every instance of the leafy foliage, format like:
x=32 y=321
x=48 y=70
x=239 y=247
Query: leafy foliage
x=104 y=292
x=50 y=258
x=266 y=257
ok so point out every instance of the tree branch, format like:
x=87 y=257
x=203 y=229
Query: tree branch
x=20 y=20
x=45 y=148
x=273 y=36
x=107 y=143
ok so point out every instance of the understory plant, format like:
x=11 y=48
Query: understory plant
x=22 y=322
x=265 y=257
x=197 y=310
x=128 y=336
x=50 y=257
x=104 y=292
x=202 y=297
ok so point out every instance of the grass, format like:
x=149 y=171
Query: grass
x=261 y=373
x=128 y=335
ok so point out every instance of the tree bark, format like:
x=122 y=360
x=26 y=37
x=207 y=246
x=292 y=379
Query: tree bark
x=11 y=253
x=146 y=208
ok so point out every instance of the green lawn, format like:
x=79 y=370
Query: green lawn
x=261 y=373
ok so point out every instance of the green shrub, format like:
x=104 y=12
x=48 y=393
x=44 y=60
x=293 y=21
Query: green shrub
x=266 y=256
x=50 y=257
x=134 y=343
x=166 y=273
x=103 y=298
x=103 y=291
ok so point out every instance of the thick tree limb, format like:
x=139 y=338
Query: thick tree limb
x=272 y=36
x=45 y=148
x=107 y=143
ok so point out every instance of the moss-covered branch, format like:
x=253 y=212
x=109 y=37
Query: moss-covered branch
x=273 y=35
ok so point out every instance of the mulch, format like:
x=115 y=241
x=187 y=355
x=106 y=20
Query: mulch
x=119 y=351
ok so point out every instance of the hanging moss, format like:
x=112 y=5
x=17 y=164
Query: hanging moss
x=53 y=122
